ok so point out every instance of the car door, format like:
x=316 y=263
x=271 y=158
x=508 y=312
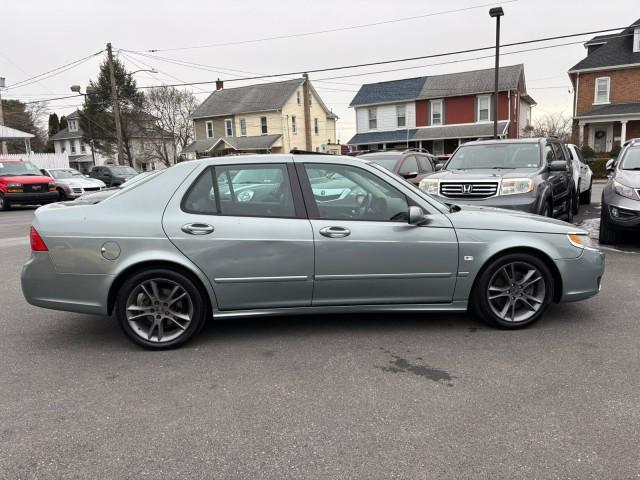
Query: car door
x=557 y=180
x=366 y=252
x=245 y=227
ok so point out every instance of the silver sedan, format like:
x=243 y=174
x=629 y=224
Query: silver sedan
x=253 y=235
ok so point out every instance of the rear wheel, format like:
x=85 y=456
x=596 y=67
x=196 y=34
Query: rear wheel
x=61 y=195
x=576 y=200
x=4 y=204
x=570 y=208
x=585 y=197
x=608 y=233
x=513 y=291
x=160 y=308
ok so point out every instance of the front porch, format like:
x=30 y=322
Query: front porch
x=603 y=136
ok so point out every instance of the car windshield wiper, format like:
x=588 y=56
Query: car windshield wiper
x=453 y=207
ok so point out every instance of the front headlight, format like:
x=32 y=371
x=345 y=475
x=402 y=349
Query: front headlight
x=512 y=186
x=14 y=185
x=245 y=196
x=580 y=240
x=429 y=185
x=624 y=191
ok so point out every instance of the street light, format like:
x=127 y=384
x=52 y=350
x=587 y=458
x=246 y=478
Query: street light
x=78 y=89
x=496 y=12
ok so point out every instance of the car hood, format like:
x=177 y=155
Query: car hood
x=488 y=218
x=630 y=178
x=482 y=174
x=80 y=182
x=26 y=179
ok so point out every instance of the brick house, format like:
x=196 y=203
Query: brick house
x=607 y=90
x=440 y=112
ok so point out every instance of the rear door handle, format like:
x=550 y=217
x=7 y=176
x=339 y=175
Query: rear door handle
x=335 y=232
x=197 y=228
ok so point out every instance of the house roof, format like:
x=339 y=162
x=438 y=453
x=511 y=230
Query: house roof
x=261 y=142
x=617 y=50
x=253 y=98
x=438 y=86
x=66 y=134
x=472 y=130
x=630 y=108
x=8 y=133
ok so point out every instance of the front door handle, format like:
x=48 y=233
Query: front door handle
x=335 y=232
x=197 y=228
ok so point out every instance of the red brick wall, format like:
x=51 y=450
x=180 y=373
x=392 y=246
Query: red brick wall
x=422 y=113
x=459 y=109
x=633 y=129
x=624 y=87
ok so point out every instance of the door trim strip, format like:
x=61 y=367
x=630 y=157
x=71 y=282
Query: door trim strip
x=291 y=278
x=383 y=276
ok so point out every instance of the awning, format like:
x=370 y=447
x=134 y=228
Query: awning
x=440 y=132
x=8 y=133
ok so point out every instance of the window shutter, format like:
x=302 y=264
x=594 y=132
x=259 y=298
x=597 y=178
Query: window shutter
x=442 y=113
x=475 y=108
x=428 y=113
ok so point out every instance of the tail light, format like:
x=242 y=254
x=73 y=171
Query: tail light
x=37 y=244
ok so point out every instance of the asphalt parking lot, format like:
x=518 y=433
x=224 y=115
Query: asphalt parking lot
x=358 y=396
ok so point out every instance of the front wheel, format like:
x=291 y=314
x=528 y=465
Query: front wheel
x=513 y=291
x=160 y=308
x=608 y=234
x=4 y=204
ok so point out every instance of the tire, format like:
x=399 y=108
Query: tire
x=570 y=208
x=576 y=200
x=530 y=302
x=61 y=195
x=585 y=197
x=608 y=234
x=4 y=204
x=147 y=315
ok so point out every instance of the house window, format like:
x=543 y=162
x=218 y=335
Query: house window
x=436 y=112
x=228 y=127
x=438 y=147
x=243 y=127
x=72 y=125
x=73 y=147
x=373 y=120
x=294 y=127
x=209 y=129
x=602 y=90
x=401 y=116
x=83 y=148
x=316 y=128
x=636 y=40
x=299 y=97
x=484 y=108
x=263 y=125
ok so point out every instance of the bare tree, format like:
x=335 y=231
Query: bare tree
x=172 y=109
x=552 y=125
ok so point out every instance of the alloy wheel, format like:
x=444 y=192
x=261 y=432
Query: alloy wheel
x=159 y=310
x=516 y=292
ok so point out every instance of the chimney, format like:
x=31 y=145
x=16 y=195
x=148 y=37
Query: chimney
x=219 y=84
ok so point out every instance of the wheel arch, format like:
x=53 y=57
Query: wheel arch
x=195 y=276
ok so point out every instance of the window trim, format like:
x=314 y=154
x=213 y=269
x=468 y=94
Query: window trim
x=375 y=117
x=478 y=109
x=294 y=126
x=595 y=93
x=439 y=101
x=243 y=127
x=206 y=129
x=264 y=127
x=228 y=122
x=404 y=116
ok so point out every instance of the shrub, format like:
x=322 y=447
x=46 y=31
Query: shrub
x=615 y=151
x=599 y=167
x=587 y=152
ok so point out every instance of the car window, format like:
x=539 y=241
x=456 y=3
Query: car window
x=549 y=155
x=254 y=190
x=409 y=165
x=200 y=197
x=343 y=192
x=424 y=164
x=631 y=159
x=559 y=152
x=496 y=156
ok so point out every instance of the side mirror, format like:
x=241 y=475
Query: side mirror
x=409 y=175
x=417 y=216
x=439 y=166
x=610 y=165
x=558 y=166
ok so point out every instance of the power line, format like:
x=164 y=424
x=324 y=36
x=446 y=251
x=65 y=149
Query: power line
x=400 y=60
x=331 y=30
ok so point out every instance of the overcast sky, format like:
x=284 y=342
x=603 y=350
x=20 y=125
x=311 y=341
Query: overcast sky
x=39 y=35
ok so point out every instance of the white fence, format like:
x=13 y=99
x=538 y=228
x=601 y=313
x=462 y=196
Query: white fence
x=41 y=160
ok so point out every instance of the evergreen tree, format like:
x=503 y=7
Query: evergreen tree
x=63 y=122
x=54 y=124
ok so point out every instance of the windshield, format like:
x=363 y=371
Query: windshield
x=498 y=156
x=123 y=171
x=66 y=173
x=18 y=168
x=386 y=161
x=631 y=159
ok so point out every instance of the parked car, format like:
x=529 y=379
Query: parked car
x=583 y=173
x=532 y=175
x=97 y=197
x=21 y=183
x=621 y=195
x=165 y=254
x=70 y=183
x=412 y=165
x=113 y=175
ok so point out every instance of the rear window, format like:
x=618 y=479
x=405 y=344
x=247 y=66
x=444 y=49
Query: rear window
x=387 y=161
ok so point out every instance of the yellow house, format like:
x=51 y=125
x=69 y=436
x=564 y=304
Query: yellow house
x=264 y=118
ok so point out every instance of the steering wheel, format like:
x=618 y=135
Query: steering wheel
x=366 y=205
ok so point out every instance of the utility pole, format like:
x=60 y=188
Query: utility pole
x=496 y=13
x=306 y=97
x=116 y=105
x=4 y=144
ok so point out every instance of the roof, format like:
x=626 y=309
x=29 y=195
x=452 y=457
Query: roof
x=253 y=98
x=597 y=40
x=630 y=108
x=261 y=142
x=616 y=51
x=8 y=133
x=438 y=86
x=471 y=130
x=200 y=146
x=65 y=134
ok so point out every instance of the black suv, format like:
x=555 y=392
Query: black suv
x=531 y=174
x=621 y=195
x=113 y=175
x=412 y=165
